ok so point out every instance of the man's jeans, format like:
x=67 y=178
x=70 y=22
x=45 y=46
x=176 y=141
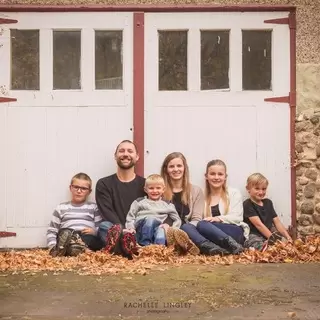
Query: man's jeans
x=103 y=230
x=149 y=232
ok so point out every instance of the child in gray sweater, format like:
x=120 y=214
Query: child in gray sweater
x=147 y=214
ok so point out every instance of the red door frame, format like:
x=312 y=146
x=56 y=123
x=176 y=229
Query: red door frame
x=138 y=59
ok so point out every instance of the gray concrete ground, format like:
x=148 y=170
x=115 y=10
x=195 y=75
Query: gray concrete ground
x=260 y=291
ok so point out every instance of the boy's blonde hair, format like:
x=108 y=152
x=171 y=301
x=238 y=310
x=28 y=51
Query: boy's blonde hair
x=256 y=179
x=82 y=176
x=154 y=179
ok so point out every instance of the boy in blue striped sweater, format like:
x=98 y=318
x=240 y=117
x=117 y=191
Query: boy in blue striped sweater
x=75 y=223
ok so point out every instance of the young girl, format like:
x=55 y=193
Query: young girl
x=260 y=215
x=223 y=223
x=187 y=198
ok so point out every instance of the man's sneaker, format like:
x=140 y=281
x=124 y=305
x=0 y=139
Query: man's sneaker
x=113 y=238
x=184 y=242
x=63 y=240
x=129 y=245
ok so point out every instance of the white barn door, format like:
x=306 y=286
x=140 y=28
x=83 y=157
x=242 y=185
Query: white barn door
x=72 y=76
x=206 y=78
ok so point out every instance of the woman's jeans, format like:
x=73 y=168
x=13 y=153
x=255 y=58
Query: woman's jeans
x=193 y=233
x=216 y=232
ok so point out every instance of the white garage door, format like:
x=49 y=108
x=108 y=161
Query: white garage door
x=72 y=76
x=206 y=78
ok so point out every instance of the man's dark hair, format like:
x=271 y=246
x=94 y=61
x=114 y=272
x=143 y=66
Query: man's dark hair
x=129 y=141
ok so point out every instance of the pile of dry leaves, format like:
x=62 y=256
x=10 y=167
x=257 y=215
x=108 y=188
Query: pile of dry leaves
x=152 y=257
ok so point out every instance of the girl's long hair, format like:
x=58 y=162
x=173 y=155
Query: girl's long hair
x=186 y=186
x=224 y=194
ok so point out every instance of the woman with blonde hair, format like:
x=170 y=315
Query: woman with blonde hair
x=187 y=198
x=223 y=223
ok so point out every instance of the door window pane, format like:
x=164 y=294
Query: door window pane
x=214 y=60
x=173 y=47
x=66 y=59
x=108 y=59
x=256 y=60
x=24 y=59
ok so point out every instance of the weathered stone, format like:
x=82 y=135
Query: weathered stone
x=299 y=156
x=299 y=148
x=305 y=231
x=316 y=218
x=318 y=150
x=311 y=145
x=318 y=164
x=310 y=190
x=304 y=137
x=307 y=207
x=312 y=174
x=299 y=118
x=316 y=131
x=300 y=171
x=305 y=220
x=303 y=181
x=303 y=126
x=306 y=163
x=318 y=207
x=314 y=119
x=318 y=185
x=308 y=114
x=299 y=187
x=316 y=229
x=299 y=195
x=310 y=154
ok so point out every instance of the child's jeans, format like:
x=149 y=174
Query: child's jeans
x=149 y=232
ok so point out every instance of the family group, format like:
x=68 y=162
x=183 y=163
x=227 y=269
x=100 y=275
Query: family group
x=164 y=209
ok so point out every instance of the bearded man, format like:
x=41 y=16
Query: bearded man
x=114 y=195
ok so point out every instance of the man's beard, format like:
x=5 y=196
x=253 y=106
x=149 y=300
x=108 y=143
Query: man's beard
x=127 y=166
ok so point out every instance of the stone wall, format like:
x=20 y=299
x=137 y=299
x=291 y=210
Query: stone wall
x=308 y=171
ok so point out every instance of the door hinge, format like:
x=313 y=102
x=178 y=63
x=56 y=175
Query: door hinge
x=6 y=99
x=7 y=21
x=5 y=234
x=291 y=20
x=290 y=99
x=278 y=21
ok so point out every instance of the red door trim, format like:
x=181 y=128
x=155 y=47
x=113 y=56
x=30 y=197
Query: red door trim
x=7 y=21
x=138 y=88
x=5 y=234
x=293 y=104
x=6 y=99
x=145 y=8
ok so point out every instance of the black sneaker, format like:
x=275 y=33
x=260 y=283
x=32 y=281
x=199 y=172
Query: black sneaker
x=232 y=245
x=211 y=249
